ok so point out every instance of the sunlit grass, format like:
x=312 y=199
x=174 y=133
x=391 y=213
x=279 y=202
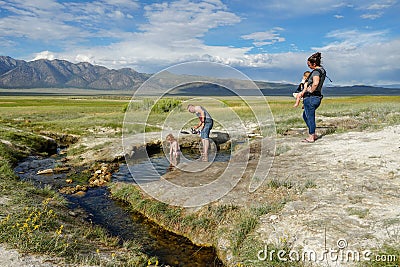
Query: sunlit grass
x=69 y=115
x=79 y=116
x=36 y=220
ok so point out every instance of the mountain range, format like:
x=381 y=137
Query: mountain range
x=43 y=73
x=56 y=73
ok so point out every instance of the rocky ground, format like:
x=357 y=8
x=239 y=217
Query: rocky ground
x=347 y=200
x=344 y=192
x=355 y=201
x=351 y=201
x=11 y=258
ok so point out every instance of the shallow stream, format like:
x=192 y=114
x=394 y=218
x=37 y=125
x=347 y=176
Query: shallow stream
x=114 y=216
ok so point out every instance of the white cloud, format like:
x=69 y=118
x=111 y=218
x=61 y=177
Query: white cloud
x=125 y=4
x=338 y=16
x=372 y=16
x=294 y=8
x=352 y=39
x=45 y=55
x=367 y=63
x=377 y=7
x=265 y=38
x=354 y=57
x=94 y=13
x=34 y=8
x=381 y=5
x=184 y=19
x=6 y=43
x=85 y=58
x=173 y=33
x=350 y=50
x=35 y=28
x=370 y=64
x=361 y=57
x=48 y=20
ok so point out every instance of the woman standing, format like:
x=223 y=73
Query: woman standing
x=312 y=95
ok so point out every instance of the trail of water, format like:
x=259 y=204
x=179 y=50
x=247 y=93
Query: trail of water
x=171 y=249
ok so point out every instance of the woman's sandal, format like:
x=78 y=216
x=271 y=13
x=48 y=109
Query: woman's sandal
x=307 y=141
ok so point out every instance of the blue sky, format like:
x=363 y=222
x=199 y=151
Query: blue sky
x=266 y=40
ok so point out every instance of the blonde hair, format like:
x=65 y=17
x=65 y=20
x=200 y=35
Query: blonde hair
x=306 y=74
x=170 y=137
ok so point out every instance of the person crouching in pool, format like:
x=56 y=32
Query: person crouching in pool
x=205 y=124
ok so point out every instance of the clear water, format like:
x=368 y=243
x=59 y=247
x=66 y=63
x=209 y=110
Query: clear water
x=171 y=249
x=143 y=170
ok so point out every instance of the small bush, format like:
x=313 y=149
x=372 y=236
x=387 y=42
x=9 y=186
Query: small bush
x=163 y=105
x=275 y=184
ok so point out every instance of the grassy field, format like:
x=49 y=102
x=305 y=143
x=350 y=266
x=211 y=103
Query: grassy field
x=68 y=115
x=82 y=116
x=62 y=236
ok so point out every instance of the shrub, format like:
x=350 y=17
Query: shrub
x=163 y=105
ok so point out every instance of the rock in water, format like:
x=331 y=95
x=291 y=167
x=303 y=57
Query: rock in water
x=47 y=171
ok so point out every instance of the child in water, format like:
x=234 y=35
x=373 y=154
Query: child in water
x=300 y=88
x=174 y=150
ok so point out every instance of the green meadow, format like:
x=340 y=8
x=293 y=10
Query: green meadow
x=81 y=115
x=63 y=237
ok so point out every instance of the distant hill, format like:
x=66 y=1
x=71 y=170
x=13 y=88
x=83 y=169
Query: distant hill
x=336 y=90
x=276 y=89
x=20 y=74
x=56 y=73
x=359 y=90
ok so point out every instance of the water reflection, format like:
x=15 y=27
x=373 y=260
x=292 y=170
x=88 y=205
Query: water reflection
x=150 y=169
x=171 y=249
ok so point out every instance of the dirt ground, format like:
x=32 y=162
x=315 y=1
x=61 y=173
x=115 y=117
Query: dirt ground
x=351 y=201
x=344 y=192
x=11 y=258
x=348 y=196
x=353 y=204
